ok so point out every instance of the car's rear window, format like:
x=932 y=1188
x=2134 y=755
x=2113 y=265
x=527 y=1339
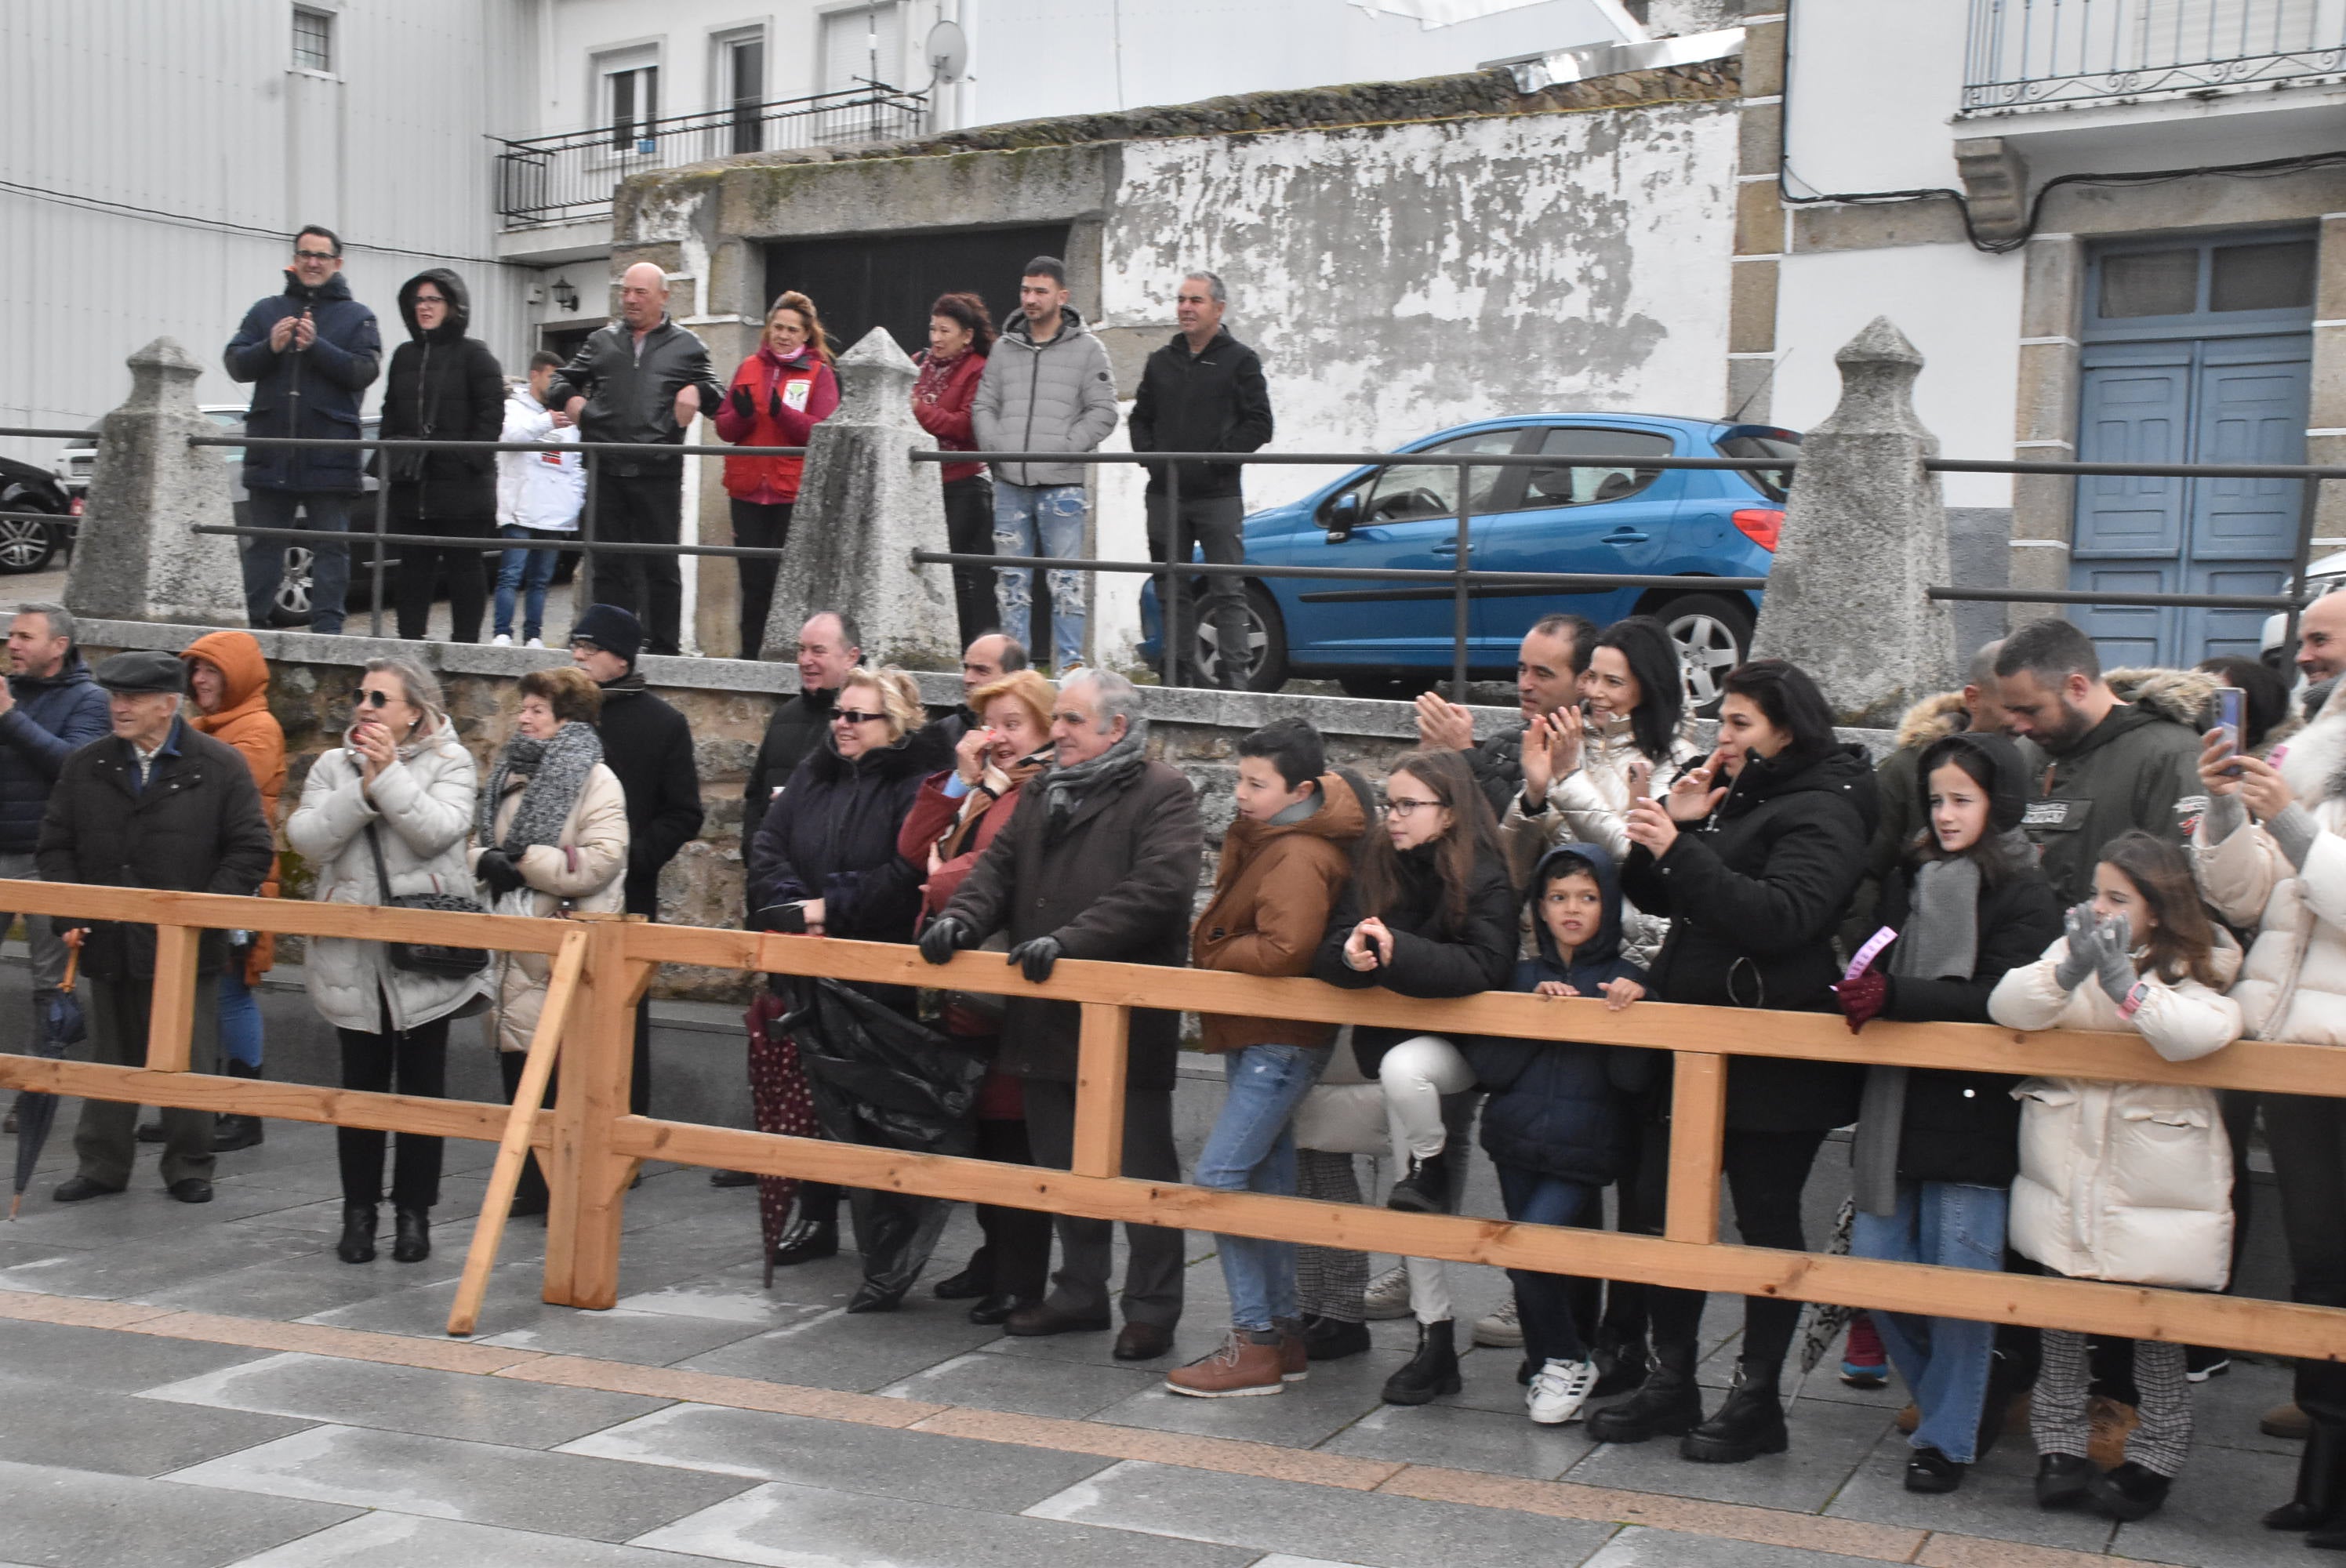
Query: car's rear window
x=1775 y=484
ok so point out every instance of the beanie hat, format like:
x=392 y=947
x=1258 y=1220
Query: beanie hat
x=610 y=628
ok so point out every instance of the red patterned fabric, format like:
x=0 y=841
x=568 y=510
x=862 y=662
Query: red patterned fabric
x=783 y=1103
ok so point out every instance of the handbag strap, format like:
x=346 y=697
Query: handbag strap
x=381 y=873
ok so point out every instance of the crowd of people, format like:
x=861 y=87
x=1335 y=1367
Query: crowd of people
x=1040 y=385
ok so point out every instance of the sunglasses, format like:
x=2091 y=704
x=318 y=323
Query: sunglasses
x=854 y=716
x=374 y=699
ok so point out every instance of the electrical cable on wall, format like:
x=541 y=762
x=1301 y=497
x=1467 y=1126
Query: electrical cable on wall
x=221 y=225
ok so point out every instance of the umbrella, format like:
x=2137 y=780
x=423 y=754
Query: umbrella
x=62 y=1028
x=1823 y=1324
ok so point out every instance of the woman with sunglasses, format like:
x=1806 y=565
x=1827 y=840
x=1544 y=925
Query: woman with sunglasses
x=825 y=862
x=399 y=793
x=1430 y=912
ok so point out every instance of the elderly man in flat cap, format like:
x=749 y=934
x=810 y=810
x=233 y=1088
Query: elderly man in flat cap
x=153 y=805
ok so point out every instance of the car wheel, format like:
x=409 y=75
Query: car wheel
x=25 y=544
x=1266 y=645
x=289 y=606
x=1713 y=635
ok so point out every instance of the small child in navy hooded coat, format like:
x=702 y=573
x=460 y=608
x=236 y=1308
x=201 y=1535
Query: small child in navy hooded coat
x=1557 y=1124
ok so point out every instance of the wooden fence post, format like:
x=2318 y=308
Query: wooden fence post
x=1698 y=1136
x=1105 y=1053
x=586 y=1182
x=171 y=1011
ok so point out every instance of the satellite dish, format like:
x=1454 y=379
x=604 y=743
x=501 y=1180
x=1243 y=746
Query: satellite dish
x=948 y=51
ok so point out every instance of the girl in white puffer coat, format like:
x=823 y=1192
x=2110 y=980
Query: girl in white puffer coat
x=2125 y=1182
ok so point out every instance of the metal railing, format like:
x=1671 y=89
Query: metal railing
x=570 y=177
x=2027 y=52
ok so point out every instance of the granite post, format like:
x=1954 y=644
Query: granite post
x=138 y=557
x=1864 y=534
x=865 y=506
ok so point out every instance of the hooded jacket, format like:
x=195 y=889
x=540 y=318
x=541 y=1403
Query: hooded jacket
x=1754 y=894
x=2139 y=768
x=1054 y=396
x=311 y=392
x=630 y=392
x=1905 y=812
x=245 y=723
x=1560 y=1106
x=833 y=836
x=1429 y=959
x=55 y=715
x=1274 y=890
x=1211 y=401
x=2125 y=1182
x=445 y=386
x=788 y=398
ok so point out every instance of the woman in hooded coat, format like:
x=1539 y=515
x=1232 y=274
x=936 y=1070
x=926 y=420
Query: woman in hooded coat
x=442 y=385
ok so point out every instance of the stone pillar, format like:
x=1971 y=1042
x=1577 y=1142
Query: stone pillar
x=136 y=558
x=1865 y=532
x=865 y=506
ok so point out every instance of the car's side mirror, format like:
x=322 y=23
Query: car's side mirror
x=1343 y=516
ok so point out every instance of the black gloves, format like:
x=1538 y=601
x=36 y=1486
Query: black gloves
x=774 y=403
x=1035 y=958
x=743 y=404
x=497 y=872
x=944 y=934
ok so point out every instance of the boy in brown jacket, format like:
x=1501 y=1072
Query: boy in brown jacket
x=1284 y=863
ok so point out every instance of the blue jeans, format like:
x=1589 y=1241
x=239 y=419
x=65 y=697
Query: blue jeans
x=1543 y=1301
x=1252 y=1149
x=1040 y=520
x=529 y=571
x=240 y=1015
x=1944 y=1361
x=328 y=512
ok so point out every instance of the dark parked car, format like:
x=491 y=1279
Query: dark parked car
x=30 y=543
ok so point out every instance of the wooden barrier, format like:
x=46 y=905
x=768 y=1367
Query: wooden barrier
x=592 y=1147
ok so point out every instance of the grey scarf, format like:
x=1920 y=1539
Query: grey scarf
x=1064 y=788
x=1941 y=942
x=557 y=770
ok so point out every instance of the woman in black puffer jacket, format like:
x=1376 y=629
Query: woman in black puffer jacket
x=1753 y=857
x=1428 y=912
x=444 y=385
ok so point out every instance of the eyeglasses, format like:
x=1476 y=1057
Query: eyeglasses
x=313 y=256
x=375 y=700
x=852 y=716
x=1402 y=806
x=581 y=645
x=430 y=299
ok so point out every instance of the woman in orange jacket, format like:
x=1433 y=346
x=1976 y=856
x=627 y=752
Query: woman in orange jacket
x=778 y=397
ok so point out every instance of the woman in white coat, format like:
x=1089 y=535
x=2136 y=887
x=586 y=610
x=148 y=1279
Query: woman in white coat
x=2125 y=1182
x=399 y=787
x=552 y=839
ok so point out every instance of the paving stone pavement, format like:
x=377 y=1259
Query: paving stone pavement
x=211 y=1387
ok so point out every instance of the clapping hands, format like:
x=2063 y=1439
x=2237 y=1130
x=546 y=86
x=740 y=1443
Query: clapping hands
x=2102 y=946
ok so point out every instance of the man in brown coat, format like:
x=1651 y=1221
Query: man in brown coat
x=1099 y=861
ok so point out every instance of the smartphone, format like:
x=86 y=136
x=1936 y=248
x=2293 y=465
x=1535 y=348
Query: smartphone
x=2232 y=717
x=1641 y=780
x=789 y=919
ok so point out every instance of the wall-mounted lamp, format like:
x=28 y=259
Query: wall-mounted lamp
x=565 y=295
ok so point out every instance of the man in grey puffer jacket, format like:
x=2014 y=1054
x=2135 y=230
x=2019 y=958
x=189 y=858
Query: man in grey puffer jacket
x=1046 y=388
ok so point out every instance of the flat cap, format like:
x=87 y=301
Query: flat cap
x=143 y=672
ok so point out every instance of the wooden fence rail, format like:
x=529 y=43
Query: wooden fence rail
x=591 y=1146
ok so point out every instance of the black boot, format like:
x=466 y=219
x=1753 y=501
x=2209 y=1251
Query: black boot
x=1621 y=1365
x=1667 y=1404
x=2321 y=1466
x=235 y=1131
x=1432 y=1372
x=1333 y=1339
x=806 y=1241
x=410 y=1236
x=1426 y=1188
x=1750 y=1423
x=357 y=1245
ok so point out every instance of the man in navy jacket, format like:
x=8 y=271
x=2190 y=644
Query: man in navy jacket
x=309 y=352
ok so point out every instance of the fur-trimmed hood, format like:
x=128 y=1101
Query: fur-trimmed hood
x=1933 y=719
x=2179 y=696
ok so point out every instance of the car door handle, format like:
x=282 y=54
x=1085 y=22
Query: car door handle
x=1625 y=537
x=1449 y=549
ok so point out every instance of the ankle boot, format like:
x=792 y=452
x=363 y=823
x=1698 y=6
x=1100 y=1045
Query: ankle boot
x=357 y=1245
x=1426 y=1188
x=1432 y=1372
x=412 y=1234
x=1621 y=1365
x=2320 y=1482
x=235 y=1131
x=1666 y=1403
x=1750 y=1423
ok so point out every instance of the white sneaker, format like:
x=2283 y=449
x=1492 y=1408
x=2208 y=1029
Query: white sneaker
x=1387 y=1296
x=502 y=640
x=535 y=643
x=1559 y=1390
x=1499 y=1327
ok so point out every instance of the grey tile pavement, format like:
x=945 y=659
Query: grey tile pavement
x=94 y=1429
x=65 y=1518
x=1639 y=1547
x=381 y=1540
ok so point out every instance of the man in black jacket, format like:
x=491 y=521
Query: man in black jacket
x=649 y=746
x=642 y=379
x=1203 y=392
x=155 y=804
x=829 y=645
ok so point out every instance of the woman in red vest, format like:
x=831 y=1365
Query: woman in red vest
x=778 y=396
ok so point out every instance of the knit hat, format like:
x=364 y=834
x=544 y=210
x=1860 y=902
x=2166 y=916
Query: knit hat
x=610 y=628
x=139 y=672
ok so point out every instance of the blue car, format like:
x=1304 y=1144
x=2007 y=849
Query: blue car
x=1593 y=509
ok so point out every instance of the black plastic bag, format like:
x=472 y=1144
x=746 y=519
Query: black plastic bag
x=880 y=1078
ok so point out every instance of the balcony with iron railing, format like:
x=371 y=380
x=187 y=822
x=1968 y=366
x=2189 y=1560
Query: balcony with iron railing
x=2027 y=54
x=569 y=178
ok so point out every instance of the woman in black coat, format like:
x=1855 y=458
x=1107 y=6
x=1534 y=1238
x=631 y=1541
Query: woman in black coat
x=1428 y=912
x=1936 y=1149
x=442 y=385
x=1753 y=857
